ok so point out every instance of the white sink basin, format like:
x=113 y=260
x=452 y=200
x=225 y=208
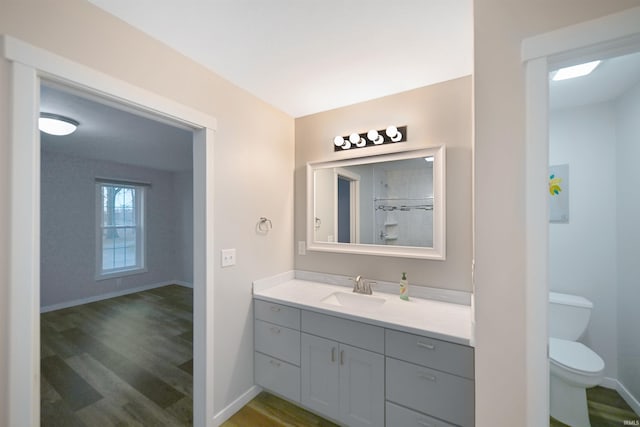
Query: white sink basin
x=353 y=300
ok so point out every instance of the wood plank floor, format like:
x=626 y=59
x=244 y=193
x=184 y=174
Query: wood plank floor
x=267 y=410
x=606 y=409
x=126 y=361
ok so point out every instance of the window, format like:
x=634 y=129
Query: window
x=120 y=229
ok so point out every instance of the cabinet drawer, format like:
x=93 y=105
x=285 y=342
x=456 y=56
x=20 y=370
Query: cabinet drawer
x=357 y=334
x=397 y=416
x=441 y=355
x=436 y=393
x=277 y=376
x=277 y=341
x=277 y=313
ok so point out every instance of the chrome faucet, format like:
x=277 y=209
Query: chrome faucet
x=362 y=285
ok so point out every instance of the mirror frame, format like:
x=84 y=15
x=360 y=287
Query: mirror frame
x=436 y=252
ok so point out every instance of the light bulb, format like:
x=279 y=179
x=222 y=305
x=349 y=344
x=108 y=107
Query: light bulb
x=354 y=138
x=375 y=137
x=393 y=133
x=346 y=145
x=338 y=141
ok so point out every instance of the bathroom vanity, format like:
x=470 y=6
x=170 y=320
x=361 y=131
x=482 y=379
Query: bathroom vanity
x=364 y=360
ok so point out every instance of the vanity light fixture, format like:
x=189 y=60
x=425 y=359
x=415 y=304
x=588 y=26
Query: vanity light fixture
x=55 y=124
x=389 y=135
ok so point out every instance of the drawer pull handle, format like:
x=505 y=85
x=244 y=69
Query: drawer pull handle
x=424 y=423
x=342 y=357
x=333 y=354
x=274 y=363
x=426 y=345
x=275 y=330
x=274 y=308
x=426 y=376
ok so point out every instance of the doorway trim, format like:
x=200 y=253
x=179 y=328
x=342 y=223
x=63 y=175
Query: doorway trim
x=28 y=65
x=609 y=36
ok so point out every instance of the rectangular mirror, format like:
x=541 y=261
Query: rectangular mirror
x=390 y=204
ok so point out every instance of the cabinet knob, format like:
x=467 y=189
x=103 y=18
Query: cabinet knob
x=274 y=363
x=274 y=308
x=342 y=357
x=275 y=330
x=333 y=354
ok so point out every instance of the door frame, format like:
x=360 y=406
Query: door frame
x=28 y=65
x=609 y=36
x=354 y=203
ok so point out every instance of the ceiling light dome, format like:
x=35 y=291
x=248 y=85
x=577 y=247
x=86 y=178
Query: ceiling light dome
x=55 y=124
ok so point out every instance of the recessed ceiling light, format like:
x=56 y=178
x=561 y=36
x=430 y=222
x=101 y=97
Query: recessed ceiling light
x=55 y=124
x=575 y=71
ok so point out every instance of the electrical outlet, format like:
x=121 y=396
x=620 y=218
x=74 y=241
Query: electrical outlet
x=302 y=247
x=227 y=257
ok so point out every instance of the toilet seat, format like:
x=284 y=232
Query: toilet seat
x=575 y=357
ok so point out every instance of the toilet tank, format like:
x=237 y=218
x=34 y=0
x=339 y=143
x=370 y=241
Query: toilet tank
x=568 y=315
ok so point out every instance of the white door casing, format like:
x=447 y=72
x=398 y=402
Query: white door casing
x=29 y=65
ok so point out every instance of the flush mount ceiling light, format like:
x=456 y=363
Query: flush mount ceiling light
x=55 y=124
x=575 y=71
x=373 y=137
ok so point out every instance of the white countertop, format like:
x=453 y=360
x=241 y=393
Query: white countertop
x=436 y=319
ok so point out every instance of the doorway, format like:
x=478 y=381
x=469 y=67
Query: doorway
x=28 y=65
x=116 y=260
x=347 y=206
x=593 y=144
x=608 y=36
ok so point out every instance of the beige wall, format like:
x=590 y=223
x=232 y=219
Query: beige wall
x=499 y=160
x=253 y=161
x=435 y=115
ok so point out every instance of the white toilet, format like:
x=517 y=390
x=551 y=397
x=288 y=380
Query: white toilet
x=574 y=367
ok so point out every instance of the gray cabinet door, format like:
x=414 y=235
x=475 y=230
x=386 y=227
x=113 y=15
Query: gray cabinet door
x=320 y=373
x=361 y=387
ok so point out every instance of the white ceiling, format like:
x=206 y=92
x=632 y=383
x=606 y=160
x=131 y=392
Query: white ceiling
x=307 y=56
x=302 y=56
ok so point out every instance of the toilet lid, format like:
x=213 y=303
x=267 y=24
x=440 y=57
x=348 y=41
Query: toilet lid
x=575 y=356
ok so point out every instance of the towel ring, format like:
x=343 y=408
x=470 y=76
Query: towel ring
x=264 y=224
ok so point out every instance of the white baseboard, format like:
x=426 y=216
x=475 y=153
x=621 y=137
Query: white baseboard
x=616 y=385
x=108 y=295
x=236 y=405
x=183 y=283
x=629 y=398
x=610 y=383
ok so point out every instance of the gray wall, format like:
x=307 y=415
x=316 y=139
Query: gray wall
x=183 y=189
x=595 y=254
x=628 y=212
x=68 y=237
x=582 y=253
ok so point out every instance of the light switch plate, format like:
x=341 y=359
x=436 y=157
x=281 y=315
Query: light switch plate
x=302 y=247
x=227 y=257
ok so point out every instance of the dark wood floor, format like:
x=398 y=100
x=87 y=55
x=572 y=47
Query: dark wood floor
x=606 y=409
x=126 y=361
x=267 y=410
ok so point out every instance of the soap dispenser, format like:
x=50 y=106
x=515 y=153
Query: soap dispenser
x=404 y=287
